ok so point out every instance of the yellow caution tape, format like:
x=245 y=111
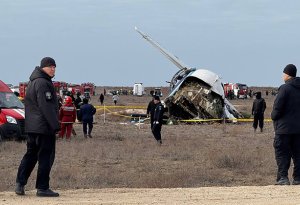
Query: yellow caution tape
x=126 y=107
x=201 y=120
x=221 y=119
x=102 y=107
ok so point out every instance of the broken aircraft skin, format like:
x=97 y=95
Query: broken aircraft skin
x=195 y=93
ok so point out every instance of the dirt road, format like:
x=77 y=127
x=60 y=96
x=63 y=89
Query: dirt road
x=266 y=195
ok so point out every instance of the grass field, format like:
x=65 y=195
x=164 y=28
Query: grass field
x=122 y=154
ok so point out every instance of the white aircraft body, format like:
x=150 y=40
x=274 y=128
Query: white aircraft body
x=195 y=93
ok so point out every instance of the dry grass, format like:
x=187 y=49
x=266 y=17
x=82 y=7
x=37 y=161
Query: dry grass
x=121 y=155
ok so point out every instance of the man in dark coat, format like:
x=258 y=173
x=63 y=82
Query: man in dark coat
x=150 y=110
x=101 y=98
x=258 y=109
x=41 y=124
x=86 y=112
x=286 y=119
x=77 y=104
x=157 y=119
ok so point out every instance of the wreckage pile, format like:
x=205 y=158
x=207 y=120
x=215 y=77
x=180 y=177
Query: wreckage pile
x=195 y=101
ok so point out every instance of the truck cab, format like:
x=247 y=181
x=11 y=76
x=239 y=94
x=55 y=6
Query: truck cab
x=12 y=115
x=138 y=89
x=242 y=91
x=88 y=87
x=237 y=89
x=157 y=92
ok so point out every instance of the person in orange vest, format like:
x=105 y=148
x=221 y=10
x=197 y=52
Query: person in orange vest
x=67 y=116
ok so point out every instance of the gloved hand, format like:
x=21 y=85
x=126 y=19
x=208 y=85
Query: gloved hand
x=156 y=122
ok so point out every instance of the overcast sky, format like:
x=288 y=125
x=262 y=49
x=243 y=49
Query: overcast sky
x=95 y=41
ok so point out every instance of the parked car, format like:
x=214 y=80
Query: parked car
x=12 y=115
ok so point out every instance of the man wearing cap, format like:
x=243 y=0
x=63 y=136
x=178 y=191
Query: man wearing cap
x=41 y=125
x=286 y=120
x=157 y=119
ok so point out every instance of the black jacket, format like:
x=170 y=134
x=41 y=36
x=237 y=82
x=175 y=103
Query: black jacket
x=150 y=108
x=77 y=102
x=158 y=113
x=259 y=106
x=286 y=109
x=86 y=112
x=101 y=98
x=41 y=106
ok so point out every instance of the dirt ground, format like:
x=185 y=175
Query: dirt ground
x=258 y=195
x=122 y=164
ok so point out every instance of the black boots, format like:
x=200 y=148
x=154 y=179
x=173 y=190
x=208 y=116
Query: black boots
x=19 y=189
x=46 y=193
x=40 y=192
x=283 y=181
x=295 y=182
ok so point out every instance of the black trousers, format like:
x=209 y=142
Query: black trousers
x=85 y=125
x=41 y=149
x=258 y=119
x=156 y=129
x=151 y=122
x=287 y=147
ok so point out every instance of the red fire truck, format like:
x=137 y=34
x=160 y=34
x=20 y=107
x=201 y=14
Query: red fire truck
x=239 y=90
x=88 y=89
x=23 y=88
x=60 y=87
x=74 y=88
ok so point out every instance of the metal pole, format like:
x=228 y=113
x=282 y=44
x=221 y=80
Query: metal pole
x=139 y=122
x=104 y=114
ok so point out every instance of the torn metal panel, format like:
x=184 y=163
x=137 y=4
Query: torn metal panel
x=194 y=99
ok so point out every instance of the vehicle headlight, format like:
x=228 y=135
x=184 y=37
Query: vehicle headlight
x=11 y=119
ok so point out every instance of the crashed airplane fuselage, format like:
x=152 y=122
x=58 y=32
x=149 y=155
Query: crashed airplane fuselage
x=195 y=93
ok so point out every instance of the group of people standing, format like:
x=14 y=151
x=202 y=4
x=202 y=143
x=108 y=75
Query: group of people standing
x=72 y=109
x=42 y=122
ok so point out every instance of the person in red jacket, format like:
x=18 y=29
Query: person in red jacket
x=67 y=116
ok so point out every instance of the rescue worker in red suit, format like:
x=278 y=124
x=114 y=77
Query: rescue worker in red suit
x=67 y=116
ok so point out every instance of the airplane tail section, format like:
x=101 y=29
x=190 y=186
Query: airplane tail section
x=170 y=56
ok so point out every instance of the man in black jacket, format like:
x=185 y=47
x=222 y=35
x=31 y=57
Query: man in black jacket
x=258 y=109
x=150 y=110
x=286 y=119
x=86 y=113
x=101 y=98
x=41 y=124
x=157 y=119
